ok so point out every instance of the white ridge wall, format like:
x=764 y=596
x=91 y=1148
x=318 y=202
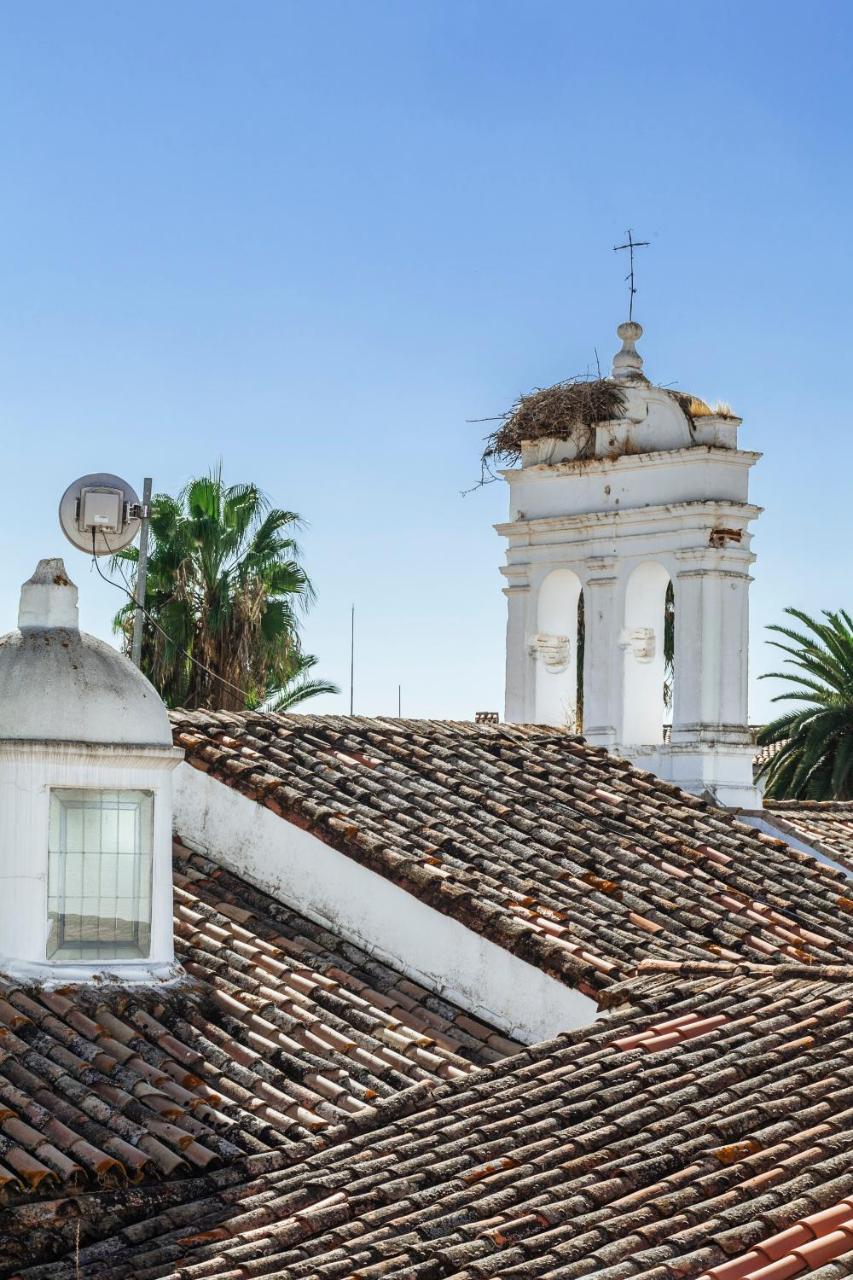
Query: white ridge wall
x=368 y=910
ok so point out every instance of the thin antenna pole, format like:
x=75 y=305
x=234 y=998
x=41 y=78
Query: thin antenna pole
x=351 y=658
x=399 y=702
x=141 y=575
x=631 y=244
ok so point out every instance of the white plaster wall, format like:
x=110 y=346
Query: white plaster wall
x=643 y=705
x=655 y=532
x=711 y=581
x=28 y=771
x=557 y=615
x=604 y=550
x=652 y=422
x=722 y=769
x=630 y=482
x=363 y=907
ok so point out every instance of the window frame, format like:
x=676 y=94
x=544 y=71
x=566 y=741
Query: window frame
x=59 y=948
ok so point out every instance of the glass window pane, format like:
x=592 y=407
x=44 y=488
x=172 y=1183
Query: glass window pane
x=109 y=827
x=91 y=829
x=99 y=874
x=71 y=821
x=127 y=830
x=72 y=881
x=92 y=874
x=109 y=877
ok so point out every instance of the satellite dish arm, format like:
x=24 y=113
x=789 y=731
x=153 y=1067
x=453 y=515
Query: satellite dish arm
x=141 y=575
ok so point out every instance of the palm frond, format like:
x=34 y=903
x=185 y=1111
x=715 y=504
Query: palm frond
x=815 y=756
x=225 y=589
x=299 y=691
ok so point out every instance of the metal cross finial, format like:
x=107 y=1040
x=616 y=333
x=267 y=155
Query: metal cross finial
x=631 y=244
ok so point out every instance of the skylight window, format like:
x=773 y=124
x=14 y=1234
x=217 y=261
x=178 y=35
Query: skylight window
x=99 y=875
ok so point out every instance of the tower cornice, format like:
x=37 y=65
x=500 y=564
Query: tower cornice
x=661 y=514
x=632 y=461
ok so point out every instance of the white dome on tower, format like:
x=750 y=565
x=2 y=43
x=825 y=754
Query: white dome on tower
x=59 y=684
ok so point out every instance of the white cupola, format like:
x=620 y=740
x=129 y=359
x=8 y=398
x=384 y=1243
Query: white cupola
x=86 y=760
x=641 y=515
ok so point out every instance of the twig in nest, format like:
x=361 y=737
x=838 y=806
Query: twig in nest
x=567 y=411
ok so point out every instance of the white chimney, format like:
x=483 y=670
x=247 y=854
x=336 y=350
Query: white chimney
x=86 y=760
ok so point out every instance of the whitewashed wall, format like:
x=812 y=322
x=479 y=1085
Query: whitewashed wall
x=28 y=772
x=363 y=907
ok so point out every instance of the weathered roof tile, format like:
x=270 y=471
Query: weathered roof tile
x=304 y=1111
x=283 y=1031
x=553 y=849
x=722 y=1153
x=825 y=825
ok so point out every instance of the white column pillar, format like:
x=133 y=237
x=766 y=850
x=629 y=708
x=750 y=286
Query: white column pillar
x=711 y=748
x=711 y=638
x=602 y=675
x=520 y=671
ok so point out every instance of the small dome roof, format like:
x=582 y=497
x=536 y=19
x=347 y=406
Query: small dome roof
x=58 y=684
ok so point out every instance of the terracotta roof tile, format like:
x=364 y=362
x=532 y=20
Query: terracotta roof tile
x=551 y=848
x=582 y=1157
x=282 y=1032
x=302 y=1111
x=826 y=825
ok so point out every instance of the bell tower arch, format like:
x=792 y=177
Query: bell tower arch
x=653 y=495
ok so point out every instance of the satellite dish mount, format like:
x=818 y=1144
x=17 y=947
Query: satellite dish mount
x=101 y=514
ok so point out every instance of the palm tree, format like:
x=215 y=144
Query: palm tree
x=223 y=595
x=668 y=645
x=299 y=687
x=815 y=757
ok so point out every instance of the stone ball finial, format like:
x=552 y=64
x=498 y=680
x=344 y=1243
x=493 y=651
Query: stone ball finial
x=628 y=363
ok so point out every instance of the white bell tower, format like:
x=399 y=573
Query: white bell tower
x=653 y=498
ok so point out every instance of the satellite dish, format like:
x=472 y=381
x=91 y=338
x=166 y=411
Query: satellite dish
x=100 y=513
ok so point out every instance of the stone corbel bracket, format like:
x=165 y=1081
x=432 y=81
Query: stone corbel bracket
x=554 y=652
x=641 y=641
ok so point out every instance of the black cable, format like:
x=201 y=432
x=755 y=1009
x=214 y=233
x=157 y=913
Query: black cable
x=125 y=590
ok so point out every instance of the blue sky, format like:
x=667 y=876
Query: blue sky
x=315 y=240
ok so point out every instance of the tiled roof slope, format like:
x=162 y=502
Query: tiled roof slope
x=364 y=1019
x=286 y=1031
x=827 y=825
x=766 y=751
x=705 y=1132
x=559 y=852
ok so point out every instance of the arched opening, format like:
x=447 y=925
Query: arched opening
x=580 y=660
x=669 y=651
x=555 y=649
x=645 y=654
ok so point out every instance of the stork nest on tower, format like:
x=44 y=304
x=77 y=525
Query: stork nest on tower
x=569 y=410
